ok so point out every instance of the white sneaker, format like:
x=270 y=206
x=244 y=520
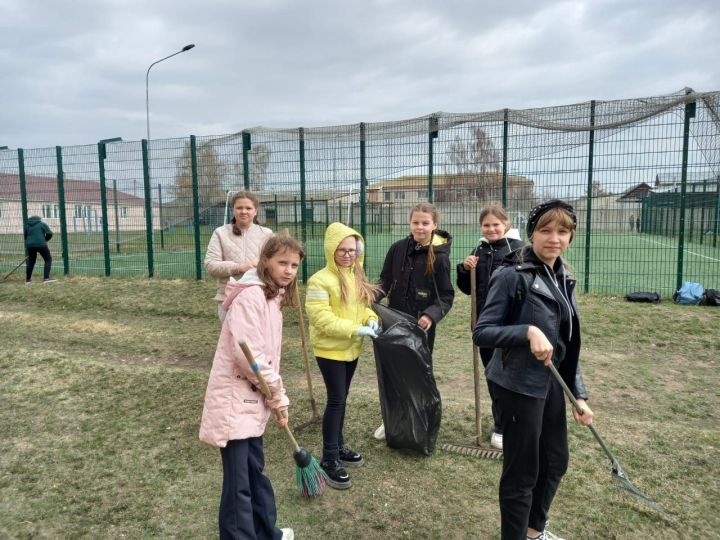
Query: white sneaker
x=380 y=433
x=547 y=535
x=496 y=441
x=288 y=534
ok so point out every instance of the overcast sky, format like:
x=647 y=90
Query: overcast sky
x=73 y=72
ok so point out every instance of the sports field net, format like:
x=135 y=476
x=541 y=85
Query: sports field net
x=643 y=174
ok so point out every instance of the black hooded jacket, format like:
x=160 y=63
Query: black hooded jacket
x=490 y=256
x=404 y=281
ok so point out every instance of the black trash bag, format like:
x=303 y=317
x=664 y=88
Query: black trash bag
x=409 y=398
x=647 y=297
x=711 y=297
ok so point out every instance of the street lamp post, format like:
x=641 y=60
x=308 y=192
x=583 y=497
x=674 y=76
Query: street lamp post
x=147 y=76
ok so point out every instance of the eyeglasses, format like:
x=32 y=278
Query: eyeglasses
x=346 y=252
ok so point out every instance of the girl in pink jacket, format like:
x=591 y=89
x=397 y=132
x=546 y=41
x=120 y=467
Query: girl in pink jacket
x=235 y=412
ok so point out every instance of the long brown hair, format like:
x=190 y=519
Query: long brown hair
x=243 y=195
x=278 y=243
x=364 y=290
x=428 y=208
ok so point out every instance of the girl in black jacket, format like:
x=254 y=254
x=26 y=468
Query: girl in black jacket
x=416 y=274
x=498 y=240
x=530 y=318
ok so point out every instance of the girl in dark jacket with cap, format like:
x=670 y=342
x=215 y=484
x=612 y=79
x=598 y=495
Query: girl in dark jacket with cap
x=530 y=318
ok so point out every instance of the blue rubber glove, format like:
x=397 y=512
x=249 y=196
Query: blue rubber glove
x=366 y=331
x=372 y=323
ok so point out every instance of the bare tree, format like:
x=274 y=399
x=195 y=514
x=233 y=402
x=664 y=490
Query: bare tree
x=211 y=173
x=477 y=162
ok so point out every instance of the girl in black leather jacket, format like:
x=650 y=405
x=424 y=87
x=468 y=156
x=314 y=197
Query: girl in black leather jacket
x=530 y=318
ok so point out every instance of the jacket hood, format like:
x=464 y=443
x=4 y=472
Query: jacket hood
x=32 y=220
x=441 y=241
x=511 y=234
x=336 y=233
x=236 y=286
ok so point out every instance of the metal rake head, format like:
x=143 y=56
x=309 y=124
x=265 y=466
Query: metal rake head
x=621 y=481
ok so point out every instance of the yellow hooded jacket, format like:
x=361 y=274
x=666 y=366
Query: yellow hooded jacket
x=334 y=324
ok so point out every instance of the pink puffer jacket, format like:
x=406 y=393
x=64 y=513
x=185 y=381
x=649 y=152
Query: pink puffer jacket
x=233 y=408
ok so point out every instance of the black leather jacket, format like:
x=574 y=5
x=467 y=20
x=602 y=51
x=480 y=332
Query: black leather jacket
x=520 y=296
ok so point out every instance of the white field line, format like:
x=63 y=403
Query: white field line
x=686 y=251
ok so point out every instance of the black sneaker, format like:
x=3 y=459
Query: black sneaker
x=350 y=458
x=337 y=477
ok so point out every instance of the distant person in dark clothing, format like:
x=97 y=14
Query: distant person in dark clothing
x=37 y=234
x=637 y=225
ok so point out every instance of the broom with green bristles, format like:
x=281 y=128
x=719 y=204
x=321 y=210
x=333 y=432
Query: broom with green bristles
x=311 y=479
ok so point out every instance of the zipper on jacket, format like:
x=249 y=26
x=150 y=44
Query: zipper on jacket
x=565 y=300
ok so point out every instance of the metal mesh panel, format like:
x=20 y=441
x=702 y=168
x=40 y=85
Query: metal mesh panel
x=643 y=174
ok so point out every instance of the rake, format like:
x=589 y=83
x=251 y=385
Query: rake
x=619 y=478
x=474 y=450
x=303 y=339
x=11 y=272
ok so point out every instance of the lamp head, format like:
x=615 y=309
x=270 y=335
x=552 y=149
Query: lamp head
x=188 y=47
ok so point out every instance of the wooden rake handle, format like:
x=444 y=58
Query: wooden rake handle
x=264 y=388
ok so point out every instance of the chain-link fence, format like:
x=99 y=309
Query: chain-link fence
x=643 y=174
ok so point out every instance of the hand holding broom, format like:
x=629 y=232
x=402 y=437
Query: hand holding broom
x=311 y=479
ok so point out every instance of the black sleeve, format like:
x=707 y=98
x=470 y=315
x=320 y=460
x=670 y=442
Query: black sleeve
x=386 y=275
x=442 y=304
x=463 y=279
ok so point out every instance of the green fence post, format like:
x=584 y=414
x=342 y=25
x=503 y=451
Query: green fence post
x=363 y=185
x=588 y=213
x=23 y=189
x=702 y=212
x=196 y=205
x=432 y=134
x=148 y=209
x=277 y=211
x=689 y=113
x=692 y=215
x=117 y=217
x=102 y=153
x=160 y=217
x=716 y=225
x=506 y=114
x=303 y=200
x=295 y=216
x=63 y=216
x=246 y=143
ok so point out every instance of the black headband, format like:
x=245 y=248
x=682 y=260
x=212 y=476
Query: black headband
x=540 y=209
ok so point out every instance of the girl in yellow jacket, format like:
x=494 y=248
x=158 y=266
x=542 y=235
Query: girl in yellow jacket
x=337 y=304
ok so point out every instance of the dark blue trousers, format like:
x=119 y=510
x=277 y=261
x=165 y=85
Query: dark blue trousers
x=535 y=457
x=337 y=376
x=247 y=503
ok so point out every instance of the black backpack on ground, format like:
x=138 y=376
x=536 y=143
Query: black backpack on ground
x=711 y=298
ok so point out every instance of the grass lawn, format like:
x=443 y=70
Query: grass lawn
x=101 y=390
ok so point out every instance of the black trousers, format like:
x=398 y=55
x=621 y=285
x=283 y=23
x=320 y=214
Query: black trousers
x=337 y=376
x=485 y=356
x=247 y=503
x=32 y=258
x=535 y=457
